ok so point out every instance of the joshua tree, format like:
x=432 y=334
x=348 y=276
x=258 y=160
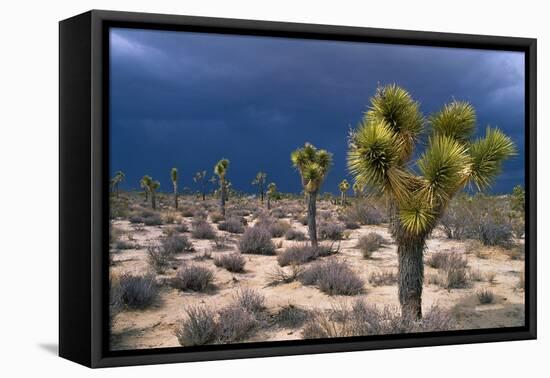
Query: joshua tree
x=260 y=180
x=116 y=180
x=356 y=189
x=152 y=187
x=379 y=155
x=144 y=184
x=518 y=198
x=220 y=169
x=174 y=177
x=313 y=165
x=200 y=178
x=344 y=187
x=271 y=192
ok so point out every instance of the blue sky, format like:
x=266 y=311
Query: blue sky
x=185 y=100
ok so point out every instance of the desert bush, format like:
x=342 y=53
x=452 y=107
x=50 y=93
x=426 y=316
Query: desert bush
x=333 y=277
x=278 y=212
x=123 y=244
x=473 y=247
x=193 y=277
x=206 y=255
x=475 y=275
x=176 y=244
x=453 y=269
x=303 y=219
x=455 y=277
x=233 y=262
x=200 y=214
x=350 y=224
x=216 y=217
x=232 y=225
x=331 y=231
x=292 y=234
x=188 y=211
x=495 y=234
x=383 y=278
x=291 y=316
x=182 y=227
x=257 y=240
x=235 y=324
x=301 y=254
x=118 y=208
x=363 y=213
x=490 y=277
x=517 y=252
x=169 y=219
x=221 y=242
x=137 y=291
x=280 y=276
x=199 y=327
x=158 y=258
x=485 y=296
x=147 y=217
x=279 y=228
x=250 y=300
x=369 y=243
x=203 y=230
x=442 y=260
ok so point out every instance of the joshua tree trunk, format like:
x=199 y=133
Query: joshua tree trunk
x=342 y=199
x=176 y=196
x=203 y=195
x=268 y=203
x=411 y=276
x=311 y=212
x=262 y=193
x=222 y=199
x=146 y=196
x=116 y=190
x=153 y=201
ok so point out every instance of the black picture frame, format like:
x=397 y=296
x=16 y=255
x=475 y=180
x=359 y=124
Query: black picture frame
x=83 y=196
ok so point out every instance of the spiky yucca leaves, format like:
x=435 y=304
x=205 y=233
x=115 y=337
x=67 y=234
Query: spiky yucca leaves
x=220 y=169
x=313 y=166
x=379 y=156
x=200 y=178
x=344 y=187
x=271 y=193
x=260 y=180
x=174 y=178
x=144 y=184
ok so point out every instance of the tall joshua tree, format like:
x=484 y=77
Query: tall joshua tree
x=202 y=181
x=344 y=187
x=313 y=165
x=144 y=184
x=152 y=187
x=260 y=180
x=220 y=169
x=174 y=178
x=379 y=156
x=116 y=180
x=271 y=192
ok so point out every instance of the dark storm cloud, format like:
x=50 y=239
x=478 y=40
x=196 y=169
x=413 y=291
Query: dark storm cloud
x=187 y=100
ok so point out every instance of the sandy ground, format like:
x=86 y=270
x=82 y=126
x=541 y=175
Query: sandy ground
x=154 y=327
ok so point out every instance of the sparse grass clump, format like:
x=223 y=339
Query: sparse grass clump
x=383 y=278
x=147 y=217
x=291 y=316
x=221 y=242
x=453 y=269
x=188 y=211
x=278 y=228
x=123 y=244
x=369 y=243
x=216 y=217
x=137 y=292
x=250 y=300
x=485 y=296
x=176 y=244
x=192 y=277
x=278 y=213
x=158 y=258
x=292 y=234
x=333 y=277
x=199 y=327
x=233 y=262
x=257 y=240
x=301 y=254
x=203 y=230
x=280 y=276
x=331 y=231
x=235 y=323
x=232 y=225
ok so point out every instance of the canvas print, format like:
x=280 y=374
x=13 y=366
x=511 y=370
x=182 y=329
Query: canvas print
x=270 y=189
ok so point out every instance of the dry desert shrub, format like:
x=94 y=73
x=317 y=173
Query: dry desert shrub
x=193 y=278
x=250 y=299
x=257 y=240
x=291 y=316
x=235 y=323
x=158 y=258
x=136 y=292
x=452 y=266
x=331 y=231
x=232 y=225
x=369 y=243
x=280 y=276
x=176 y=244
x=301 y=254
x=216 y=217
x=383 y=278
x=333 y=277
x=485 y=296
x=203 y=230
x=233 y=262
x=292 y=234
x=198 y=328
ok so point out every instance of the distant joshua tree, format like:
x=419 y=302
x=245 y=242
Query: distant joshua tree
x=313 y=165
x=152 y=188
x=260 y=180
x=379 y=155
x=202 y=181
x=356 y=189
x=174 y=177
x=220 y=169
x=518 y=198
x=344 y=187
x=271 y=193
x=116 y=180
x=144 y=184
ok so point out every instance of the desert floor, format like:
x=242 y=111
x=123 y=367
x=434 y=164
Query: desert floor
x=154 y=327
